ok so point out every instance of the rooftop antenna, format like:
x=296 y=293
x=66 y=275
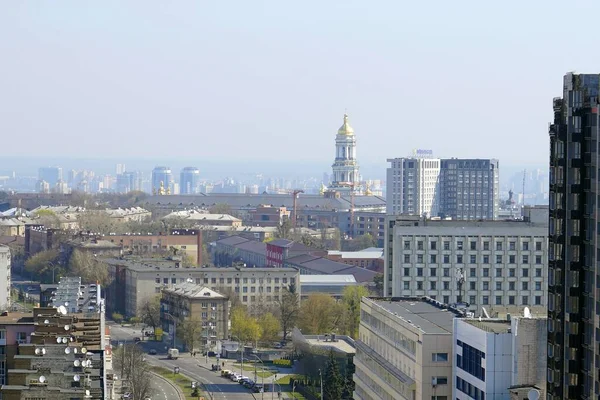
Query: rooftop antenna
x=527 y=313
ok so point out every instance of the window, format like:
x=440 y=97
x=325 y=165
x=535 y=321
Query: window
x=486 y=259
x=498 y=246
x=419 y=271
x=498 y=300
x=439 y=357
x=470 y=361
x=472 y=286
x=406 y=271
x=525 y=259
x=173 y=280
x=441 y=380
x=525 y=300
x=407 y=258
x=157 y=280
x=525 y=272
x=446 y=299
x=446 y=245
x=245 y=289
x=512 y=259
x=525 y=285
x=229 y=280
x=538 y=259
x=498 y=272
x=432 y=271
x=499 y=259
x=284 y=280
x=486 y=246
x=473 y=259
x=473 y=245
x=472 y=272
x=165 y=281
x=485 y=300
x=157 y=290
x=538 y=246
x=213 y=280
x=221 y=280
x=419 y=285
x=433 y=245
x=420 y=258
x=446 y=285
x=498 y=285
x=511 y=300
x=433 y=258
x=406 y=245
x=245 y=298
x=486 y=286
x=511 y=286
x=525 y=246
x=446 y=271
x=419 y=245
x=446 y=259
x=538 y=300
x=511 y=272
x=406 y=285
x=538 y=272
x=512 y=246
x=538 y=286
x=486 y=272
x=472 y=300
x=432 y=286
x=459 y=258
x=459 y=245
x=253 y=280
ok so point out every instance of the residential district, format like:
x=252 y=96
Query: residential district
x=439 y=290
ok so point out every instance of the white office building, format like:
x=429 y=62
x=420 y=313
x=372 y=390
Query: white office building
x=497 y=264
x=413 y=186
x=499 y=359
x=4 y=277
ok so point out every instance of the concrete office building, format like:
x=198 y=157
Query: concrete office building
x=189 y=181
x=469 y=188
x=573 y=315
x=5 y=277
x=404 y=349
x=498 y=264
x=162 y=179
x=135 y=280
x=413 y=186
x=499 y=359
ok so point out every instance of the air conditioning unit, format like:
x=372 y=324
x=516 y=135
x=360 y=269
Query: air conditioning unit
x=434 y=381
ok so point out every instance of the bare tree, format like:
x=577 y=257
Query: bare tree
x=89 y=268
x=288 y=310
x=190 y=332
x=129 y=360
x=149 y=311
x=98 y=221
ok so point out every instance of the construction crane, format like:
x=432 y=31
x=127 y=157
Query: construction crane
x=523 y=191
x=295 y=194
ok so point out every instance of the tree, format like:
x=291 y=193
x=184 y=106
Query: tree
x=244 y=327
x=234 y=298
x=361 y=242
x=288 y=310
x=129 y=360
x=284 y=229
x=44 y=266
x=378 y=281
x=220 y=208
x=333 y=382
x=47 y=217
x=270 y=327
x=149 y=312
x=98 y=221
x=88 y=267
x=190 y=331
x=319 y=314
x=118 y=318
x=351 y=300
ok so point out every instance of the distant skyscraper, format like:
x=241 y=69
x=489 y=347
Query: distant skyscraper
x=120 y=169
x=161 y=175
x=469 y=188
x=51 y=175
x=189 y=180
x=413 y=186
x=346 y=177
x=574 y=250
x=129 y=181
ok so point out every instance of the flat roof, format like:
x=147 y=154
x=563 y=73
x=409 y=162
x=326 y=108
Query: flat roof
x=339 y=344
x=490 y=325
x=370 y=253
x=16 y=318
x=327 y=279
x=153 y=265
x=423 y=314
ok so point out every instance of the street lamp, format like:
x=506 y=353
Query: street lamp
x=263 y=374
x=321 y=377
x=54 y=268
x=241 y=353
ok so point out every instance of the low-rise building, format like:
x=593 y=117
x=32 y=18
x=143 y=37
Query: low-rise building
x=134 y=280
x=189 y=300
x=333 y=285
x=268 y=215
x=404 y=349
x=198 y=217
x=499 y=358
x=369 y=258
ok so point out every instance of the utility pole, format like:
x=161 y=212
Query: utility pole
x=321 y=376
x=295 y=194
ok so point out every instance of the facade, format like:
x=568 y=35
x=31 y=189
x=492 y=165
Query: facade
x=346 y=178
x=469 y=189
x=50 y=175
x=413 y=186
x=162 y=179
x=496 y=264
x=197 y=217
x=369 y=258
x=189 y=181
x=129 y=181
x=573 y=242
x=267 y=215
x=404 y=349
x=333 y=285
x=189 y=300
x=499 y=359
x=135 y=280
x=15 y=329
x=5 y=274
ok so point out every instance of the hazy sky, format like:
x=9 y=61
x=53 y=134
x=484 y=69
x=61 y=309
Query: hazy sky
x=271 y=79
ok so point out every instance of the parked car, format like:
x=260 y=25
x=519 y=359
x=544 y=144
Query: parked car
x=225 y=373
x=243 y=379
x=258 y=389
x=235 y=377
x=137 y=339
x=152 y=352
x=249 y=384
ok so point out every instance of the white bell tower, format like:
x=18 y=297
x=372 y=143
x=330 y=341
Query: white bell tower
x=346 y=177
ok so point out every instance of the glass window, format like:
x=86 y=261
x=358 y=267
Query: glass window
x=486 y=246
x=473 y=245
x=439 y=357
x=525 y=246
x=433 y=245
x=499 y=258
x=419 y=271
x=472 y=259
x=406 y=271
x=459 y=258
x=498 y=246
x=498 y=300
x=406 y=285
x=512 y=246
x=407 y=258
x=498 y=272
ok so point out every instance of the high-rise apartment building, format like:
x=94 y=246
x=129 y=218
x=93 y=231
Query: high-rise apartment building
x=50 y=174
x=573 y=314
x=469 y=189
x=413 y=186
x=189 y=181
x=463 y=189
x=129 y=181
x=4 y=277
x=162 y=178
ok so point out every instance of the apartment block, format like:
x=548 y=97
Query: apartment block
x=5 y=277
x=189 y=300
x=499 y=358
x=404 y=349
x=136 y=279
x=15 y=329
x=413 y=186
x=496 y=264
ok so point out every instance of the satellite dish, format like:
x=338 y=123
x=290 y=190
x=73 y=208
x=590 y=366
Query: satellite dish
x=63 y=309
x=527 y=314
x=66 y=304
x=83 y=350
x=38 y=351
x=58 y=340
x=533 y=394
x=74 y=350
x=76 y=378
x=87 y=392
x=46 y=321
x=42 y=379
x=76 y=363
x=67 y=327
x=67 y=350
x=43 y=351
x=65 y=340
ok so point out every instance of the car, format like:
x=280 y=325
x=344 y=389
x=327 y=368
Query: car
x=225 y=372
x=278 y=346
x=235 y=377
x=249 y=384
x=152 y=352
x=243 y=379
x=258 y=389
x=137 y=339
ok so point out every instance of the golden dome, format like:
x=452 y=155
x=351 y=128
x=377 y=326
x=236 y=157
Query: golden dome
x=346 y=129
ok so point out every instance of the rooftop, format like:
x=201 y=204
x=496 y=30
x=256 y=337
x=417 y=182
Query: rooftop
x=196 y=215
x=339 y=344
x=473 y=228
x=370 y=253
x=327 y=279
x=490 y=325
x=426 y=314
x=192 y=290
x=16 y=318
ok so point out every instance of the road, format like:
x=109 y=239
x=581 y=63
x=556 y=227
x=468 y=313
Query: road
x=195 y=368
x=162 y=389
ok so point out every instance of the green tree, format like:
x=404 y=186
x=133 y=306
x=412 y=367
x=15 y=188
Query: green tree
x=270 y=327
x=44 y=266
x=378 y=281
x=319 y=314
x=361 y=242
x=351 y=300
x=149 y=312
x=98 y=221
x=288 y=310
x=118 y=318
x=88 y=267
x=46 y=217
x=244 y=327
x=190 y=332
x=284 y=229
x=333 y=382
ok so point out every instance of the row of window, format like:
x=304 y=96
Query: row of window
x=485 y=259
x=485 y=286
x=460 y=245
x=229 y=280
x=470 y=390
x=499 y=300
x=470 y=360
x=485 y=272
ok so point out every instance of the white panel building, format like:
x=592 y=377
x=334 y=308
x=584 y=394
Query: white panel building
x=413 y=186
x=4 y=277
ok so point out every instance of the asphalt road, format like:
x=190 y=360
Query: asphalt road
x=163 y=390
x=195 y=368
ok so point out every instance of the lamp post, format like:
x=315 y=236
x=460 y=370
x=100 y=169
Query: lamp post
x=241 y=354
x=321 y=377
x=174 y=328
x=54 y=268
x=263 y=374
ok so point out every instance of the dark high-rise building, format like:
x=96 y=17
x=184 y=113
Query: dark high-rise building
x=189 y=182
x=574 y=249
x=469 y=188
x=129 y=181
x=161 y=180
x=50 y=174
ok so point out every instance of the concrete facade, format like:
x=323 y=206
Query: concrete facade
x=5 y=277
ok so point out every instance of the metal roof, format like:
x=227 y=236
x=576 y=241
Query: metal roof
x=327 y=279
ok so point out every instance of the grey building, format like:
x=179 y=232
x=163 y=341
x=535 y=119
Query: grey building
x=129 y=181
x=469 y=188
x=161 y=176
x=189 y=181
x=50 y=174
x=500 y=265
x=573 y=297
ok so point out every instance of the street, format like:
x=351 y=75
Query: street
x=162 y=389
x=195 y=368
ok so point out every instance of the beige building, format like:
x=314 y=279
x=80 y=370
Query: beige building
x=198 y=217
x=404 y=349
x=192 y=301
x=136 y=279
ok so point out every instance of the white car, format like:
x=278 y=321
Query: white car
x=235 y=377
